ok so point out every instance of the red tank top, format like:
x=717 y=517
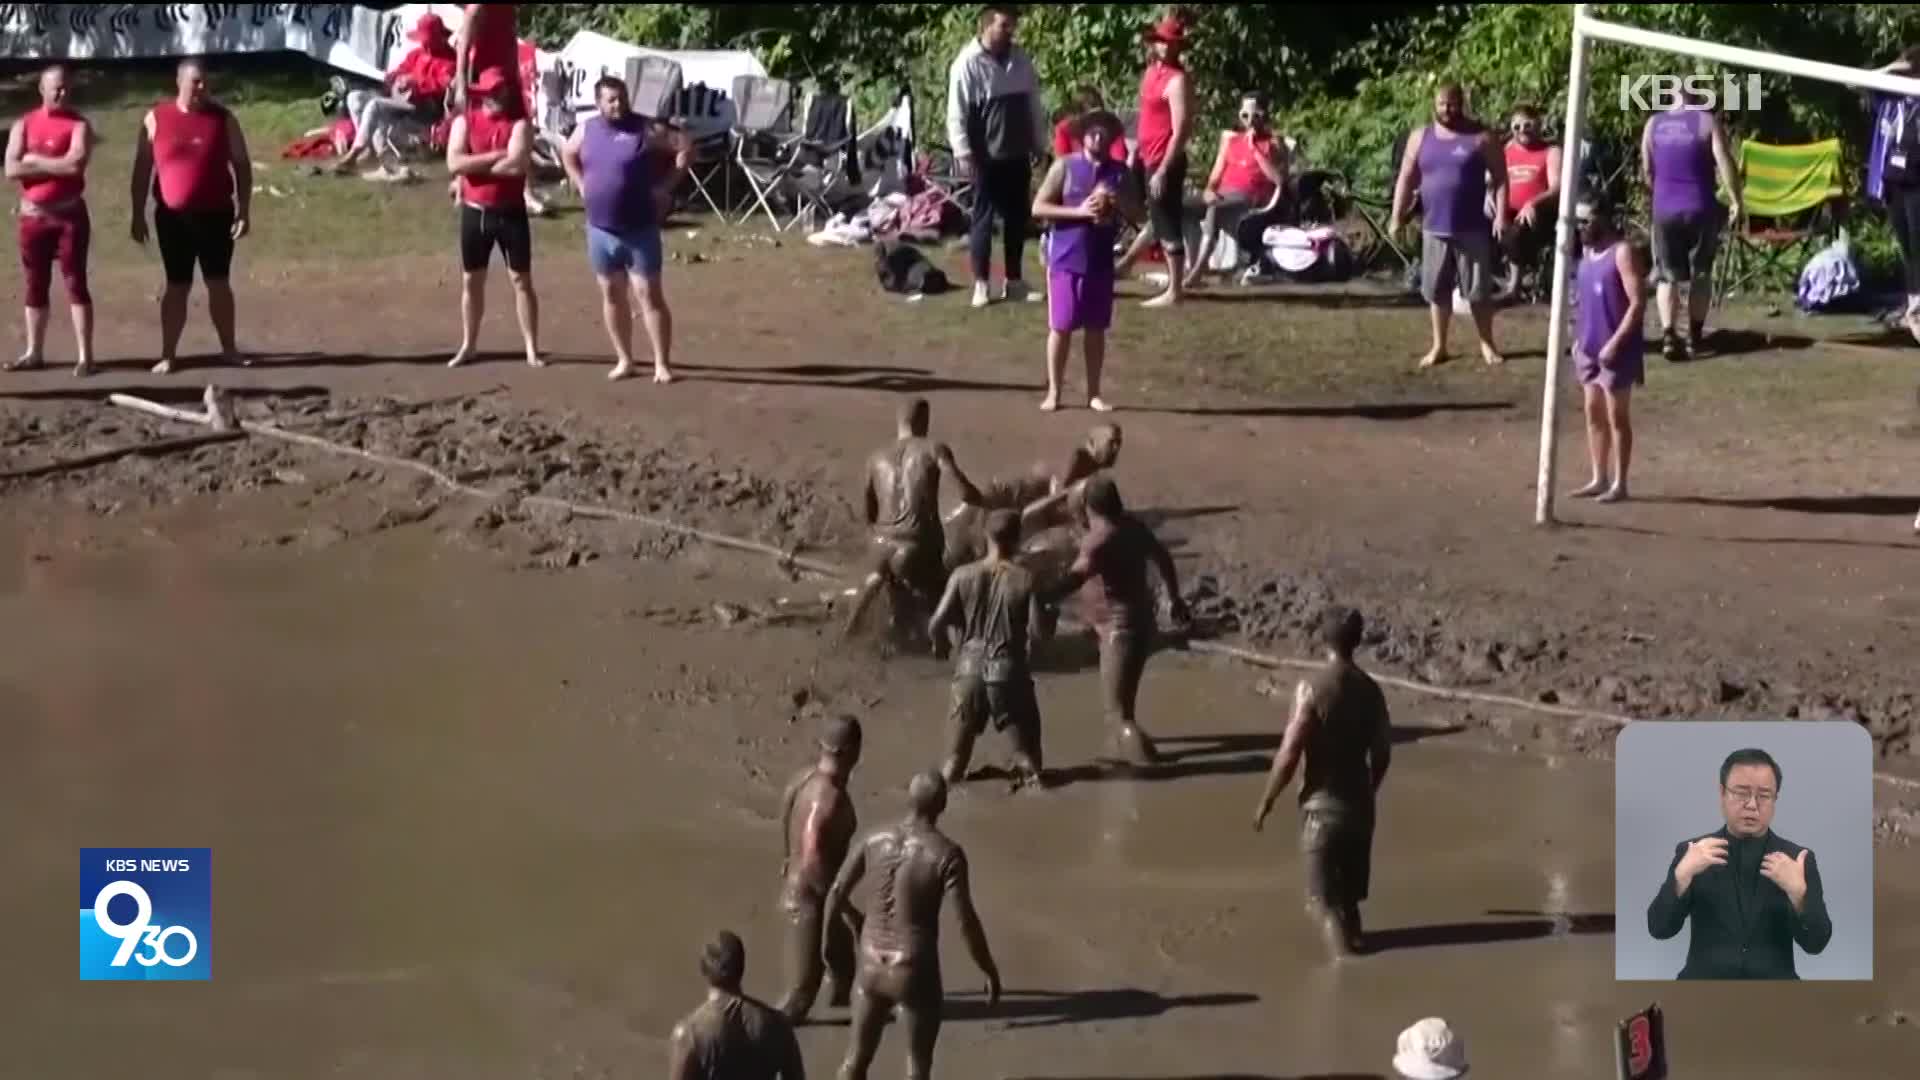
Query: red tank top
x=1156 y=112
x=191 y=159
x=49 y=133
x=486 y=132
x=1242 y=175
x=1526 y=175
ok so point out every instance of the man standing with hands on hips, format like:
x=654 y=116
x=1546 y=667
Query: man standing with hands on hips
x=997 y=124
x=1751 y=893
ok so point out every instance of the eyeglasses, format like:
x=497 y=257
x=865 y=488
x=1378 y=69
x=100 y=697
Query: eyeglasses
x=1742 y=796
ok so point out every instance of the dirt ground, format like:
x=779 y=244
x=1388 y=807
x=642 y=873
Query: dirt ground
x=487 y=774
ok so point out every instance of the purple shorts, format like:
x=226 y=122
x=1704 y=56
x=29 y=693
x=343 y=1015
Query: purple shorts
x=1078 y=301
x=1626 y=372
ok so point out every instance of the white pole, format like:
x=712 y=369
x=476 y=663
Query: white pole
x=1570 y=173
x=1596 y=30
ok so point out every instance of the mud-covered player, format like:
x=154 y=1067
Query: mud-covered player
x=732 y=1036
x=819 y=825
x=1341 y=732
x=902 y=504
x=899 y=954
x=993 y=606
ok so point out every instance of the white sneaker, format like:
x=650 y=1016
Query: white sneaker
x=981 y=298
x=1021 y=293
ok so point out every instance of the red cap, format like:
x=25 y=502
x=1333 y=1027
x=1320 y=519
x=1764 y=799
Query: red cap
x=1171 y=30
x=489 y=80
x=431 y=27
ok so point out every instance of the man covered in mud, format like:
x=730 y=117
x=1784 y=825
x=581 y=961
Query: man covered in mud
x=1118 y=601
x=899 y=955
x=1341 y=730
x=1044 y=499
x=994 y=607
x=731 y=1036
x=819 y=826
x=902 y=504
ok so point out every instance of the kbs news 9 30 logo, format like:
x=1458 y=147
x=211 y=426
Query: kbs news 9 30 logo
x=146 y=913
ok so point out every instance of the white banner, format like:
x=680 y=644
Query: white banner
x=706 y=78
x=344 y=36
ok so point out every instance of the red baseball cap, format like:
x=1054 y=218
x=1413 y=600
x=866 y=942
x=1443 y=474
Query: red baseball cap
x=489 y=80
x=1171 y=30
x=431 y=27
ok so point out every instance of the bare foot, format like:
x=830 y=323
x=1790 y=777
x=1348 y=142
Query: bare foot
x=28 y=362
x=1098 y=404
x=1433 y=359
x=164 y=367
x=621 y=370
x=239 y=359
x=1615 y=494
x=534 y=360
x=461 y=358
x=662 y=374
x=1051 y=403
x=1491 y=356
x=83 y=369
x=1164 y=300
x=1598 y=487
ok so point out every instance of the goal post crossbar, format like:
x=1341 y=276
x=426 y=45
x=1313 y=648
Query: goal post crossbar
x=1587 y=30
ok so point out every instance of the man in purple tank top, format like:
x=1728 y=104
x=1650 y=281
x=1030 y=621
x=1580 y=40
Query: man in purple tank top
x=1455 y=165
x=1680 y=151
x=1609 y=348
x=616 y=168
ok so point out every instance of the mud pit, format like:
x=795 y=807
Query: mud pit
x=473 y=821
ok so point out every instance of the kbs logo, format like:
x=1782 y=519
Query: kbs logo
x=145 y=913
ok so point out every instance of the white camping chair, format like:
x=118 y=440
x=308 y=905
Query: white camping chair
x=653 y=86
x=765 y=143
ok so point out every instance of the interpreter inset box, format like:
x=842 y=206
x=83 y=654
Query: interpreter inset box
x=1743 y=850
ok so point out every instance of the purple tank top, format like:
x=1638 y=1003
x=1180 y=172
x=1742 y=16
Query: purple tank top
x=1683 y=180
x=1603 y=303
x=618 y=174
x=1079 y=247
x=1453 y=185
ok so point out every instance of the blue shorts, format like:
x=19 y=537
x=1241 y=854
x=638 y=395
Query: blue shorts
x=636 y=252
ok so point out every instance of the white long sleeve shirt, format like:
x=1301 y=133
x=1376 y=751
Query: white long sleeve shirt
x=995 y=110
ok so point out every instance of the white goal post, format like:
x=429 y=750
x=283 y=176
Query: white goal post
x=1585 y=31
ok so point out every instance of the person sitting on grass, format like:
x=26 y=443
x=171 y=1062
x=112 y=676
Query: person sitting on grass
x=1249 y=175
x=1610 y=344
x=1084 y=197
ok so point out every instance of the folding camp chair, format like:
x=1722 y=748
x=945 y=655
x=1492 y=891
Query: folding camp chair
x=1794 y=200
x=765 y=143
x=711 y=169
x=653 y=87
x=824 y=158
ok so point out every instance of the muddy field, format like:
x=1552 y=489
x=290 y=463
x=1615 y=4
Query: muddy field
x=482 y=773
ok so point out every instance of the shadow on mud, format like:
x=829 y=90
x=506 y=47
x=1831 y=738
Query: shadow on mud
x=1533 y=925
x=1046 y=1008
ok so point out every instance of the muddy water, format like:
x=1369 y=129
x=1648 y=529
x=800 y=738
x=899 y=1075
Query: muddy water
x=469 y=822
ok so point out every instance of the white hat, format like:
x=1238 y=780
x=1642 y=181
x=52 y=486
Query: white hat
x=1429 y=1050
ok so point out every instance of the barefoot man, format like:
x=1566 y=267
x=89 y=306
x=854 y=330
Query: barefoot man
x=1449 y=162
x=819 y=825
x=1043 y=498
x=902 y=502
x=1167 y=112
x=47 y=155
x=731 y=1036
x=1118 y=599
x=614 y=168
x=899 y=956
x=489 y=151
x=193 y=158
x=1340 y=728
x=1609 y=345
x=994 y=607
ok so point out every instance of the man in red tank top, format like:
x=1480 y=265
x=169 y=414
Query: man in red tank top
x=1160 y=165
x=488 y=40
x=488 y=152
x=1533 y=189
x=47 y=154
x=193 y=158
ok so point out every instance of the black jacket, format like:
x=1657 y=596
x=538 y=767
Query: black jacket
x=1735 y=936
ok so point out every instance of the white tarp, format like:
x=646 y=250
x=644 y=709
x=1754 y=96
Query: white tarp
x=706 y=77
x=345 y=36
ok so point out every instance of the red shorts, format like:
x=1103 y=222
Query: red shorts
x=47 y=239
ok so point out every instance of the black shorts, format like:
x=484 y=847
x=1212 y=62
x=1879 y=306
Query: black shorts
x=1168 y=212
x=1684 y=247
x=189 y=237
x=1336 y=847
x=483 y=230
